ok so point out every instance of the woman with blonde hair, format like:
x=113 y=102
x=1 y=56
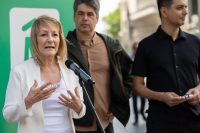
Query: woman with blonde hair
x=43 y=96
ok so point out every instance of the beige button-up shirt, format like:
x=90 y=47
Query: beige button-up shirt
x=98 y=62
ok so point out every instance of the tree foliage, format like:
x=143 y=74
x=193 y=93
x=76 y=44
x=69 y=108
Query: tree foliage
x=113 y=21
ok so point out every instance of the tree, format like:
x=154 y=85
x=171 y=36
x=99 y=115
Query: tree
x=113 y=21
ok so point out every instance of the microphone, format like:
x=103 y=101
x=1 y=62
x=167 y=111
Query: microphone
x=79 y=72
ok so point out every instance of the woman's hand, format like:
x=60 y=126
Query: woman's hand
x=74 y=103
x=37 y=94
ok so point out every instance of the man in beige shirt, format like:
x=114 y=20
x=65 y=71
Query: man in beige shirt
x=104 y=59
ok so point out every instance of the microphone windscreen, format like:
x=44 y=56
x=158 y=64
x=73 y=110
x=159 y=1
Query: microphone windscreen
x=68 y=63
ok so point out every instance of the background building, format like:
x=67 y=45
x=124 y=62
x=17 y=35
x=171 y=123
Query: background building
x=140 y=18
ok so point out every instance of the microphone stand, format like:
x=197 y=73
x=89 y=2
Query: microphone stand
x=91 y=106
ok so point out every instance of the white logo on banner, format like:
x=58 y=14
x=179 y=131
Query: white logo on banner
x=21 y=20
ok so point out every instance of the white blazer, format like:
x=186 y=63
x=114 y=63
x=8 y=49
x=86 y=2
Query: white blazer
x=21 y=79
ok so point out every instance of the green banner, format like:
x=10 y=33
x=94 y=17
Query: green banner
x=16 y=19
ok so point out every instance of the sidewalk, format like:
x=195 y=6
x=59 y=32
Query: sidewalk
x=140 y=128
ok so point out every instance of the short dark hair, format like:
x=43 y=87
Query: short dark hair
x=93 y=3
x=164 y=3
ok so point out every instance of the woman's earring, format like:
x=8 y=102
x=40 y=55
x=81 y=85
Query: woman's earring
x=58 y=53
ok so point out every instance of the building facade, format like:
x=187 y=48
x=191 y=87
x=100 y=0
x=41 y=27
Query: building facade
x=140 y=18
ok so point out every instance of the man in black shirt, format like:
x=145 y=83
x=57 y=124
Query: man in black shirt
x=170 y=59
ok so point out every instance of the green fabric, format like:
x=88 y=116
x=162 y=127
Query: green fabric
x=121 y=69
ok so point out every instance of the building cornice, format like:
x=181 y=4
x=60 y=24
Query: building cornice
x=143 y=13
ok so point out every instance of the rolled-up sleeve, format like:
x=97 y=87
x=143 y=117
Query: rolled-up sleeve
x=140 y=62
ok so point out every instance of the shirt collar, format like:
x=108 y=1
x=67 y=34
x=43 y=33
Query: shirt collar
x=87 y=42
x=162 y=34
x=96 y=39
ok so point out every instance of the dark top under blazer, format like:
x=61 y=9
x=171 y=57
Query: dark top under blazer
x=170 y=66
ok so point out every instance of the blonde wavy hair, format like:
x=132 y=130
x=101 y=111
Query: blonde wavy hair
x=39 y=59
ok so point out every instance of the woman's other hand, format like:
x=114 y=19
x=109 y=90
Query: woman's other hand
x=37 y=94
x=74 y=103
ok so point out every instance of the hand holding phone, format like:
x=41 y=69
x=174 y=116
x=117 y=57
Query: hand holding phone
x=187 y=96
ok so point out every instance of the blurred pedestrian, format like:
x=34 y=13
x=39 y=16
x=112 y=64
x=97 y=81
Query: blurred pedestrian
x=143 y=101
x=103 y=58
x=170 y=59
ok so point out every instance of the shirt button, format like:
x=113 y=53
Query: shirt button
x=176 y=66
x=180 y=91
x=175 y=54
x=179 y=79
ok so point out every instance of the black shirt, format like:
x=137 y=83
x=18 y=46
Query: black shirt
x=170 y=66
